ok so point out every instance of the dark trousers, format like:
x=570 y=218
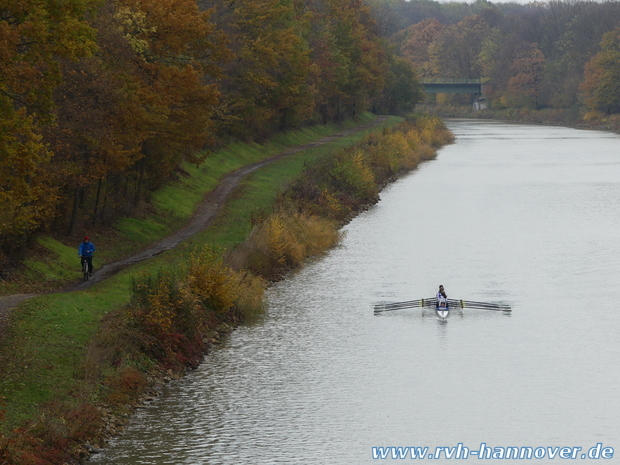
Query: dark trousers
x=88 y=260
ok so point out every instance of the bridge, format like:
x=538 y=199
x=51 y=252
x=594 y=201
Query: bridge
x=455 y=86
x=452 y=86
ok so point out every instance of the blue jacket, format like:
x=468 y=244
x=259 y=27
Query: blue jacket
x=86 y=249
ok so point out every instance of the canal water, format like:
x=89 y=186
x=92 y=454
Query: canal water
x=523 y=215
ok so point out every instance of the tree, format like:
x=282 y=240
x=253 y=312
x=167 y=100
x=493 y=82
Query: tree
x=525 y=85
x=601 y=84
x=402 y=89
x=388 y=14
x=267 y=85
x=129 y=115
x=27 y=197
x=173 y=82
x=88 y=139
x=455 y=52
x=350 y=56
x=416 y=44
x=34 y=36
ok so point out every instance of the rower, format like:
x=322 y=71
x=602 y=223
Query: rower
x=442 y=298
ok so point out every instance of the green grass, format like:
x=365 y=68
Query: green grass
x=45 y=346
x=143 y=231
x=57 y=264
x=178 y=201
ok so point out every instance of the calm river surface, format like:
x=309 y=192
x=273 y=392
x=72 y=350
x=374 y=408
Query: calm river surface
x=525 y=215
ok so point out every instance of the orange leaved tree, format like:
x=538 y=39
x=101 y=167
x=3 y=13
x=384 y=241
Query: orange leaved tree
x=34 y=36
x=601 y=85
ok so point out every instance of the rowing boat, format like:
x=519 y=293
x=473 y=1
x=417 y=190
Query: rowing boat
x=442 y=312
x=442 y=307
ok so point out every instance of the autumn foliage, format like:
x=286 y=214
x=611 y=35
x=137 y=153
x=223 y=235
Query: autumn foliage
x=172 y=310
x=102 y=101
x=601 y=86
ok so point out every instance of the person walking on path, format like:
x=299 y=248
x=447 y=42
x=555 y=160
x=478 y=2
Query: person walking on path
x=85 y=252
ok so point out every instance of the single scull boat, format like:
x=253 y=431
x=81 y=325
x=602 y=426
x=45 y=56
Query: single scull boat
x=442 y=306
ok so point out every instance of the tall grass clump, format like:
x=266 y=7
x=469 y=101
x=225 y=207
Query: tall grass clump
x=282 y=241
x=172 y=311
x=341 y=185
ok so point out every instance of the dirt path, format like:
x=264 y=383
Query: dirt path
x=202 y=218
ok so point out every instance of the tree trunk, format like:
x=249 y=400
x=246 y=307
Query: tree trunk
x=21 y=249
x=74 y=212
x=105 y=199
x=140 y=183
x=283 y=119
x=83 y=194
x=97 y=200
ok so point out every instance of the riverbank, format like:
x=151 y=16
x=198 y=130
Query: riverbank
x=572 y=117
x=81 y=367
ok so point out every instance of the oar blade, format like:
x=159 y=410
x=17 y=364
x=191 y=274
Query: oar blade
x=497 y=306
x=391 y=306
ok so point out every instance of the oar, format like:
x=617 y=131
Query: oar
x=413 y=302
x=432 y=302
x=408 y=302
x=472 y=302
x=383 y=308
x=482 y=305
x=398 y=305
x=489 y=306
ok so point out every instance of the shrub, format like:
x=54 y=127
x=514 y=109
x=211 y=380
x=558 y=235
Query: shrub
x=250 y=290
x=125 y=385
x=210 y=280
x=281 y=242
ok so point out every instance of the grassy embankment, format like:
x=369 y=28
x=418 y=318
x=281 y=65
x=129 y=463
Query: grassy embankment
x=62 y=362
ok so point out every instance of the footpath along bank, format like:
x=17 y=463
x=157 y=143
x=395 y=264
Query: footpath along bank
x=108 y=355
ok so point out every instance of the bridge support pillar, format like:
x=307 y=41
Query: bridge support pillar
x=479 y=103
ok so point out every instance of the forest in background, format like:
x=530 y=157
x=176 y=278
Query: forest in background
x=561 y=55
x=102 y=101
